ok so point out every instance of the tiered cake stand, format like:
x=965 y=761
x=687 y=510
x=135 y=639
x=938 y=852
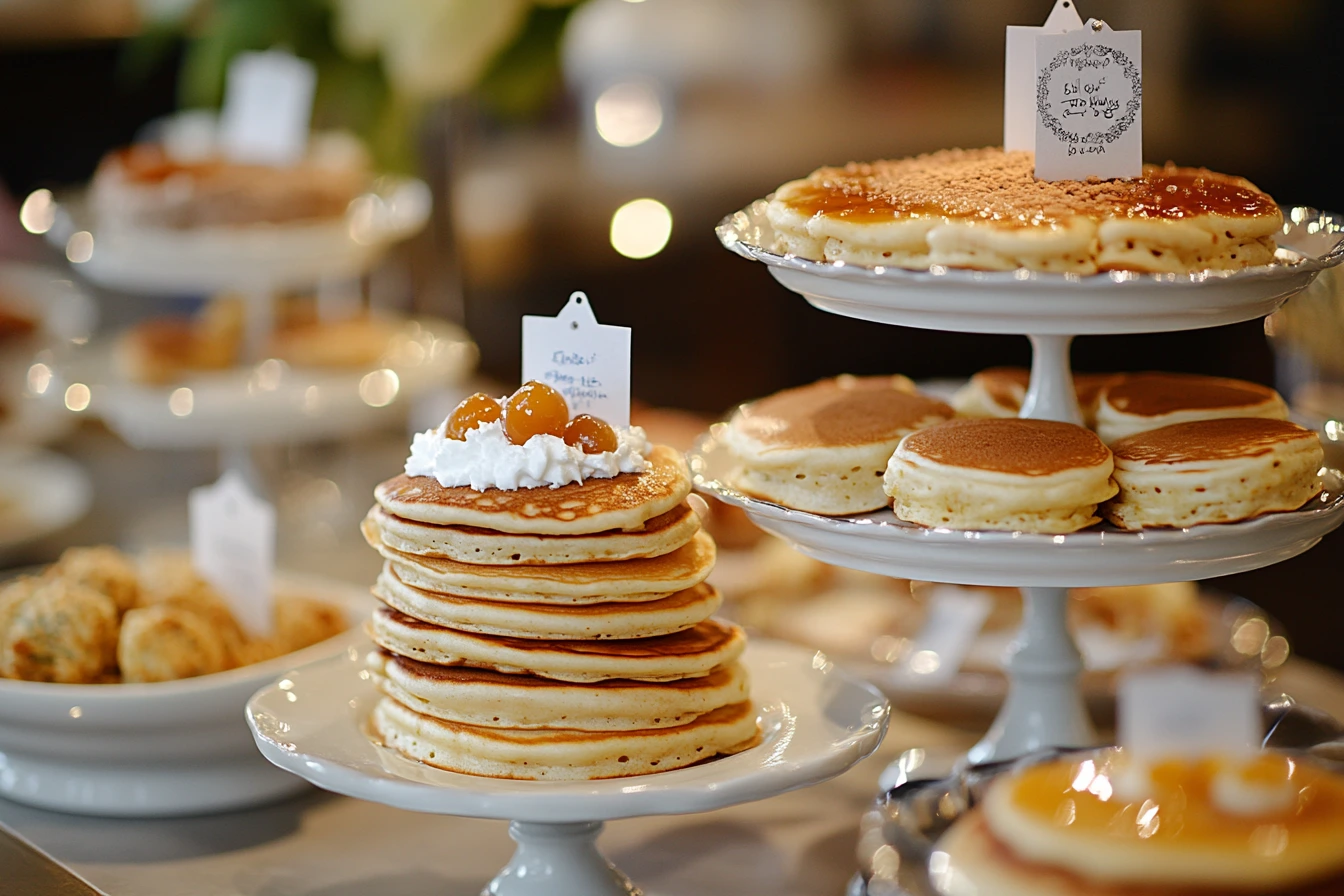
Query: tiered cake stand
x=816 y=722
x=261 y=401
x=1044 y=707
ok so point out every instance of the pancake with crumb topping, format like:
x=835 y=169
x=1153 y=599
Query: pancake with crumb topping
x=1213 y=471
x=984 y=209
x=822 y=447
x=1138 y=402
x=1017 y=475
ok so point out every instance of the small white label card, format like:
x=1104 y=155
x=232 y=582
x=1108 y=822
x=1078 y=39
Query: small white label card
x=233 y=548
x=1089 y=104
x=268 y=102
x=1179 y=711
x=955 y=617
x=587 y=362
x=1019 y=74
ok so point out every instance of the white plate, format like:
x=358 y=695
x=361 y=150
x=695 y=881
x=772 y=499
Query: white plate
x=260 y=256
x=269 y=402
x=1047 y=304
x=41 y=492
x=816 y=720
x=168 y=748
x=1102 y=555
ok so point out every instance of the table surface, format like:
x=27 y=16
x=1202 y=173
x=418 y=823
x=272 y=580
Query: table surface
x=319 y=844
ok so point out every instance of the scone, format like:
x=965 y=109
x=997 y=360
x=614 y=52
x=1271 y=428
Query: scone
x=1017 y=475
x=1256 y=826
x=822 y=448
x=984 y=209
x=1137 y=402
x=1213 y=471
x=1000 y=392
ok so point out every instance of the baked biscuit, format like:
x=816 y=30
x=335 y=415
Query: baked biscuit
x=1021 y=475
x=822 y=447
x=1213 y=471
x=1138 y=402
x=984 y=209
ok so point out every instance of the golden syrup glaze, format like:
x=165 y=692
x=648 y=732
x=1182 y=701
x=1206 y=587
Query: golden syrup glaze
x=991 y=185
x=1080 y=799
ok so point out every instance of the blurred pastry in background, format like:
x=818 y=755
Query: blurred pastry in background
x=1000 y=391
x=14 y=325
x=174 y=186
x=101 y=616
x=162 y=350
x=823 y=447
x=1139 y=402
x=860 y=617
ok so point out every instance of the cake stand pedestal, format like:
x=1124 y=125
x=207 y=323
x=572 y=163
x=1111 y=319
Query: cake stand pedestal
x=816 y=722
x=1044 y=706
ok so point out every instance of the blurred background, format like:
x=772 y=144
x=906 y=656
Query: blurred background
x=595 y=145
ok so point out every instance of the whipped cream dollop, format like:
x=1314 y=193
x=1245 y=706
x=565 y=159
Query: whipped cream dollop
x=487 y=459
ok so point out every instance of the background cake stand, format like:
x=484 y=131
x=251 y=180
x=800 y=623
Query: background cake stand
x=257 y=402
x=1044 y=707
x=816 y=722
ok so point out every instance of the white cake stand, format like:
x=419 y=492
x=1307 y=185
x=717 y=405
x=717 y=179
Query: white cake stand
x=816 y=722
x=1044 y=707
x=267 y=402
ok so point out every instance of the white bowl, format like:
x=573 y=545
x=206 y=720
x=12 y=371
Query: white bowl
x=169 y=748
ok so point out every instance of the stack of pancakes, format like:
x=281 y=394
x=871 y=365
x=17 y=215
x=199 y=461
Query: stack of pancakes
x=559 y=634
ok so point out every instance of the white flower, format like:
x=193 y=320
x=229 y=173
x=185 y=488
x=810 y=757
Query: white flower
x=430 y=48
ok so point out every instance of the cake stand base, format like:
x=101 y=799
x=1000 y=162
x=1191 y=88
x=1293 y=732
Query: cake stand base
x=558 y=860
x=1044 y=706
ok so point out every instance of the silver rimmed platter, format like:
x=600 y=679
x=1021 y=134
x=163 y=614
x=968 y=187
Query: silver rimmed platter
x=1042 y=303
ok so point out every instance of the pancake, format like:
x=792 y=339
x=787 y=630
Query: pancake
x=1197 y=826
x=978 y=864
x=1138 y=402
x=625 y=501
x=646 y=578
x=1000 y=392
x=496 y=700
x=559 y=621
x=686 y=654
x=1213 y=471
x=822 y=447
x=984 y=209
x=1020 y=475
x=468 y=544
x=561 y=755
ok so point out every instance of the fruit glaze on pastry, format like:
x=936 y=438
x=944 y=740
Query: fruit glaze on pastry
x=984 y=209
